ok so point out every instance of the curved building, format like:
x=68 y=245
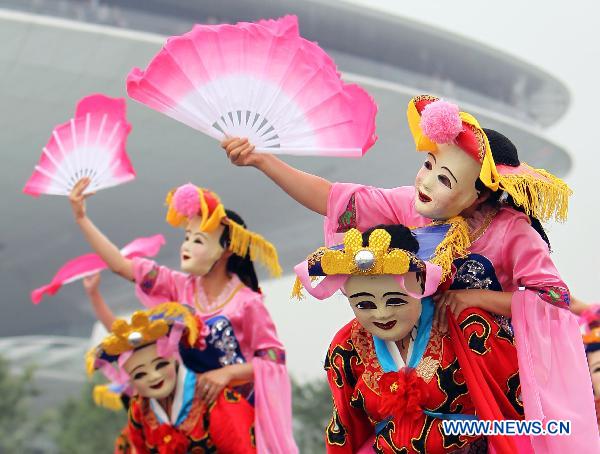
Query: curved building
x=56 y=51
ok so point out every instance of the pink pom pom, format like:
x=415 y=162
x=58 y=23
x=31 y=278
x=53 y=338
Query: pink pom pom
x=440 y=121
x=186 y=200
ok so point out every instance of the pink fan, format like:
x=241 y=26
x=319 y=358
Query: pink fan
x=92 y=144
x=88 y=264
x=262 y=81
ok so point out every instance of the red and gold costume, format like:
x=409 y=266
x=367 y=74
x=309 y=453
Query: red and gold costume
x=181 y=422
x=226 y=426
x=358 y=383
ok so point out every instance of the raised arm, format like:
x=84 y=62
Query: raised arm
x=101 y=310
x=99 y=243
x=309 y=190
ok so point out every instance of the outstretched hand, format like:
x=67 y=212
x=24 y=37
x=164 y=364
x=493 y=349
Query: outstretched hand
x=77 y=198
x=240 y=151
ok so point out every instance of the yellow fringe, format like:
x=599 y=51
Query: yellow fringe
x=455 y=245
x=297 y=290
x=243 y=241
x=90 y=360
x=543 y=199
x=104 y=397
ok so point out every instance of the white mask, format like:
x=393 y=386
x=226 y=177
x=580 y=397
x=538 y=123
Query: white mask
x=200 y=250
x=151 y=375
x=445 y=185
x=382 y=306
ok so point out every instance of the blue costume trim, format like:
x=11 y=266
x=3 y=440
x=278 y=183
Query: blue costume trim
x=429 y=238
x=189 y=390
x=420 y=344
x=187 y=398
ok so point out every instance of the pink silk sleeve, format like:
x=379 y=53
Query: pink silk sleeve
x=555 y=380
x=526 y=256
x=357 y=206
x=155 y=284
x=272 y=388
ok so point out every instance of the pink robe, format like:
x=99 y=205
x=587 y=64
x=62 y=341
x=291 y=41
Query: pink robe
x=255 y=333
x=507 y=254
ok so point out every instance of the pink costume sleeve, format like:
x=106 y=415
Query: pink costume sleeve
x=156 y=284
x=272 y=389
x=555 y=380
x=357 y=206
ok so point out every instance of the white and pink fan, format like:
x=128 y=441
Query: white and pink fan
x=262 y=81
x=88 y=264
x=92 y=144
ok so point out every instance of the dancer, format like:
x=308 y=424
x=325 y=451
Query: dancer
x=476 y=173
x=393 y=377
x=167 y=413
x=219 y=280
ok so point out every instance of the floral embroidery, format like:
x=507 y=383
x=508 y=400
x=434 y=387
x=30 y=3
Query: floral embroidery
x=347 y=220
x=363 y=342
x=149 y=280
x=426 y=368
x=557 y=296
x=273 y=354
x=222 y=337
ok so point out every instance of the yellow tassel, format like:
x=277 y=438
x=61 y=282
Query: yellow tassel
x=243 y=242
x=543 y=198
x=104 y=397
x=90 y=360
x=455 y=245
x=297 y=290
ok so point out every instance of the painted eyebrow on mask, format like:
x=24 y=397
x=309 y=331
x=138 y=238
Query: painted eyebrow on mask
x=135 y=368
x=356 y=295
x=394 y=294
x=202 y=234
x=431 y=154
x=450 y=172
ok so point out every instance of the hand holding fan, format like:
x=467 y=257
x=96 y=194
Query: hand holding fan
x=88 y=264
x=262 y=81
x=92 y=144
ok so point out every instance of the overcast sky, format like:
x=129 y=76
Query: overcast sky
x=559 y=37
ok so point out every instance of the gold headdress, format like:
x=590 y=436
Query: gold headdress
x=376 y=258
x=450 y=240
x=146 y=327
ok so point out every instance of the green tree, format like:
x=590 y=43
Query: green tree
x=312 y=410
x=84 y=428
x=16 y=425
